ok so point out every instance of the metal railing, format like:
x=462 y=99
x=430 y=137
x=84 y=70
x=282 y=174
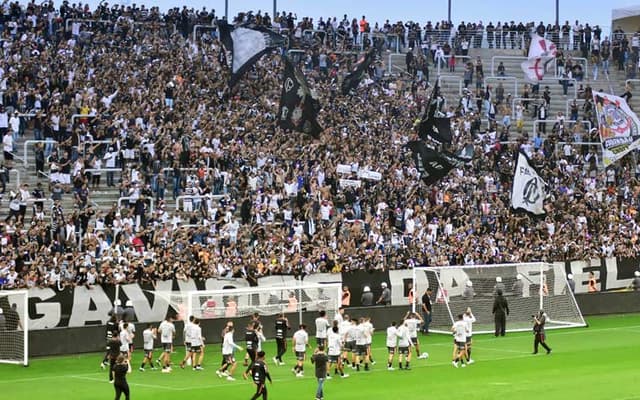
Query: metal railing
x=203 y=27
x=148 y=199
x=27 y=143
x=459 y=60
x=182 y=198
x=552 y=122
x=454 y=78
x=500 y=79
x=494 y=64
x=76 y=116
x=569 y=102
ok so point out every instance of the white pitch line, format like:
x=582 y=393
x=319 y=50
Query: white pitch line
x=86 y=378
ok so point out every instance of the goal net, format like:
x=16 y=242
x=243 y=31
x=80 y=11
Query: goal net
x=267 y=300
x=527 y=287
x=14 y=330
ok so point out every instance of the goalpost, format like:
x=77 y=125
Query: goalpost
x=14 y=327
x=527 y=287
x=265 y=300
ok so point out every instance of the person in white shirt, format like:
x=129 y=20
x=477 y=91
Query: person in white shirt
x=368 y=329
x=404 y=346
x=125 y=340
x=167 y=334
x=413 y=321
x=469 y=319
x=361 y=345
x=197 y=345
x=322 y=325
x=228 y=345
x=349 y=343
x=187 y=334
x=334 y=341
x=148 y=336
x=392 y=344
x=459 y=330
x=300 y=342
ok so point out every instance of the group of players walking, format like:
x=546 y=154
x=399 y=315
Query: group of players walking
x=341 y=343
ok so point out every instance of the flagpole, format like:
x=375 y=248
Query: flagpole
x=557 y=12
x=449 y=11
x=275 y=8
x=226 y=10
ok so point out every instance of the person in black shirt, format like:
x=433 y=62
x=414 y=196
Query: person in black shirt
x=426 y=310
x=538 y=331
x=251 y=338
x=500 y=312
x=111 y=331
x=114 y=353
x=120 y=371
x=320 y=359
x=282 y=326
x=260 y=374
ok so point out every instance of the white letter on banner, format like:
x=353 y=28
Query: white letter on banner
x=397 y=279
x=144 y=311
x=611 y=264
x=50 y=312
x=82 y=299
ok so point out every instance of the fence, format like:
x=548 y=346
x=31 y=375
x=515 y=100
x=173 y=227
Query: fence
x=181 y=199
x=553 y=121
x=454 y=78
x=501 y=79
x=150 y=200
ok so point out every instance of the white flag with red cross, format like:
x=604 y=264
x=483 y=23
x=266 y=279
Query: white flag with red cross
x=541 y=53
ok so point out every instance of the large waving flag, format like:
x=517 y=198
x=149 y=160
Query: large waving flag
x=529 y=190
x=298 y=106
x=247 y=43
x=618 y=126
x=352 y=80
x=541 y=53
x=438 y=128
x=434 y=165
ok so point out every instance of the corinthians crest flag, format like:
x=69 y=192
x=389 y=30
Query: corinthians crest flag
x=298 y=106
x=247 y=43
x=618 y=126
x=529 y=190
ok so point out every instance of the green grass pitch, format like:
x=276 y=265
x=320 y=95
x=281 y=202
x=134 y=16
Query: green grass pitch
x=598 y=362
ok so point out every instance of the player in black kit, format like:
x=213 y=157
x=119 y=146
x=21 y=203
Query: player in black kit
x=260 y=374
x=111 y=331
x=114 y=353
x=120 y=371
x=282 y=326
x=251 y=339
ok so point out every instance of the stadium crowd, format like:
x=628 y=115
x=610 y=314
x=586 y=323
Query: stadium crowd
x=271 y=202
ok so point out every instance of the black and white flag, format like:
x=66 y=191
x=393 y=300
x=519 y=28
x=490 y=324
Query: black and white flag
x=353 y=79
x=433 y=165
x=431 y=124
x=529 y=190
x=247 y=43
x=298 y=105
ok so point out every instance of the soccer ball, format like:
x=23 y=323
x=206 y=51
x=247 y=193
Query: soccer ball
x=424 y=355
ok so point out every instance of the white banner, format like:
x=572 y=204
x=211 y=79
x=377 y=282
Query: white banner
x=350 y=183
x=343 y=169
x=371 y=175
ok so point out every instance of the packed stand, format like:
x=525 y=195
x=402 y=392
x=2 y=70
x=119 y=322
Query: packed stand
x=261 y=201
